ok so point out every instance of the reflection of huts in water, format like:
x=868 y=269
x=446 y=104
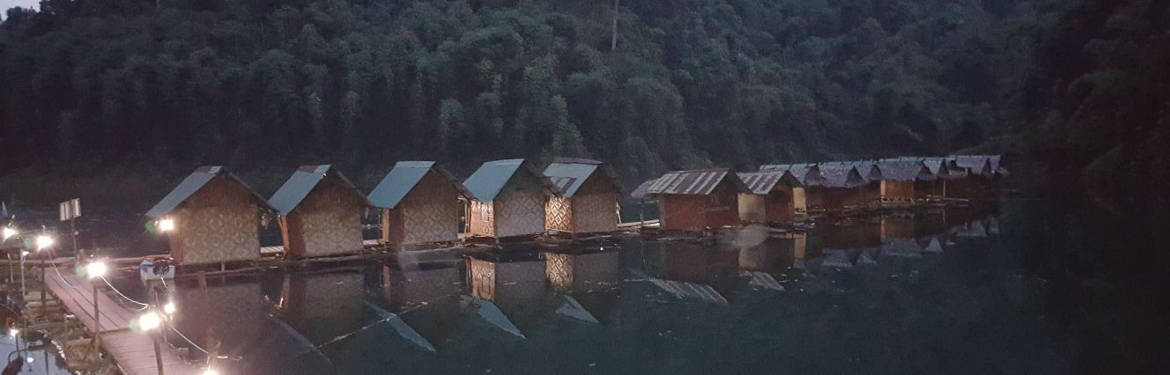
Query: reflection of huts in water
x=770 y=198
x=858 y=234
x=588 y=200
x=698 y=199
x=215 y=218
x=582 y=272
x=775 y=254
x=231 y=314
x=493 y=280
x=412 y=288
x=972 y=229
x=324 y=305
x=977 y=175
x=898 y=236
x=510 y=198
x=805 y=174
x=320 y=213
x=899 y=179
x=420 y=204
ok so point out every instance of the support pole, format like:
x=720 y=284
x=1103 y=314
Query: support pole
x=97 y=318
x=157 y=354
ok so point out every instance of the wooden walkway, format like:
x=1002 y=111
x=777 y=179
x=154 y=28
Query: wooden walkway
x=133 y=351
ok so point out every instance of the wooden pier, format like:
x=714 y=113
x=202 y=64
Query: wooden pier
x=133 y=351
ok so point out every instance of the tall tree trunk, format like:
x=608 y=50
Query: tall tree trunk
x=613 y=40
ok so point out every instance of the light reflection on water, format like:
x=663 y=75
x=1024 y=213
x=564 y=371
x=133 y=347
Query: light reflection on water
x=907 y=293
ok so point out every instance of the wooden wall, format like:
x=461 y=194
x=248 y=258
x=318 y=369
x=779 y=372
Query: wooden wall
x=327 y=222
x=429 y=213
x=595 y=206
x=220 y=223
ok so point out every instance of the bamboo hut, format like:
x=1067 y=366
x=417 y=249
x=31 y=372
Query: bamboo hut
x=698 y=199
x=872 y=174
x=420 y=204
x=213 y=217
x=898 y=180
x=771 y=198
x=975 y=175
x=588 y=197
x=841 y=188
x=510 y=198
x=320 y=213
x=806 y=174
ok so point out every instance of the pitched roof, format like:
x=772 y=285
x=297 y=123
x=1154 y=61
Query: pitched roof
x=904 y=169
x=568 y=174
x=868 y=169
x=839 y=175
x=301 y=183
x=190 y=185
x=403 y=178
x=806 y=173
x=763 y=182
x=975 y=164
x=492 y=176
x=643 y=189
x=694 y=182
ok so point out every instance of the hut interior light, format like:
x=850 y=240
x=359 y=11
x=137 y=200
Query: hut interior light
x=166 y=225
x=149 y=321
x=9 y=232
x=12 y=332
x=96 y=269
x=44 y=241
x=210 y=371
x=169 y=308
x=31 y=359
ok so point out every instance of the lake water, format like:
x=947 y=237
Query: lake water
x=993 y=290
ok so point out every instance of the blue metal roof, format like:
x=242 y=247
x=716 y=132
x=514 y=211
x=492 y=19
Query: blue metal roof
x=402 y=179
x=190 y=185
x=301 y=183
x=568 y=174
x=492 y=176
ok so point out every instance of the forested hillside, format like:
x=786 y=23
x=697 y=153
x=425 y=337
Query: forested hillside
x=262 y=83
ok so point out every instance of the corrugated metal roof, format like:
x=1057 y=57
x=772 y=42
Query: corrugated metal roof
x=840 y=175
x=904 y=169
x=763 y=182
x=693 y=182
x=643 y=189
x=301 y=183
x=984 y=165
x=403 y=178
x=868 y=169
x=568 y=174
x=190 y=185
x=492 y=176
x=806 y=173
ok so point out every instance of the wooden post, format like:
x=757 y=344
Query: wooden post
x=157 y=354
x=97 y=317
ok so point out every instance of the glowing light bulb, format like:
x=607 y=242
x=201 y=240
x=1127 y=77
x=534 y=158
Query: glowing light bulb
x=169 y=308
x=12 y=332
x=9 y=232
x=210 y=371
x=44 y=241
x=166 y=225
x=96 y=269
x=149 y=321
x=31 y=359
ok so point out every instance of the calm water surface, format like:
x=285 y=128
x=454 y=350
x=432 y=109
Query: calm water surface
x=923 y=292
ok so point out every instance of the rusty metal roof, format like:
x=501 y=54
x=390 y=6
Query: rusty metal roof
x=694 y=182
x=190 y=185
x=568 y=174
x=763 y=182
x=402 y=179
x=302 y=182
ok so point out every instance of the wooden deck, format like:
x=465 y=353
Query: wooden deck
x=133 y=351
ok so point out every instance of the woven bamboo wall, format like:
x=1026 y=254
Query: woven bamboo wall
x=519 y=213
x=329 y=222
x=559 y=214
x=778 y=205
x=481 y=275
x=220 y=223
x=430 y=213
x=799 y=201
x=595 y=205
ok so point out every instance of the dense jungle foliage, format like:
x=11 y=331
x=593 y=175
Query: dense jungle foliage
x=133 y=88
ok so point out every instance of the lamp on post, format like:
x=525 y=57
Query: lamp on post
x=94 y=271
x=148 y=322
